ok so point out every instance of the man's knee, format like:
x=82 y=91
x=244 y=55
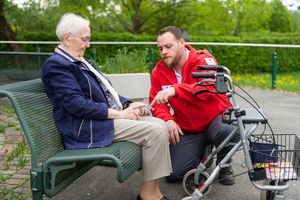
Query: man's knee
x=219 y=135
x=175 y=177
x=180 y=171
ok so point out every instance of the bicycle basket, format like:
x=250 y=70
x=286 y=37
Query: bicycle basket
x=279 y=154
x=263 y=152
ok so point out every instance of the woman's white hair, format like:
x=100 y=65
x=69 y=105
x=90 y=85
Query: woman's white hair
x=70 y=23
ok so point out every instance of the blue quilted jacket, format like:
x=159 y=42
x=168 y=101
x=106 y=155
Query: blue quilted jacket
x=80 y=106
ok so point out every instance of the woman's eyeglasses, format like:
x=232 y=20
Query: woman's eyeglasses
x=84 y=39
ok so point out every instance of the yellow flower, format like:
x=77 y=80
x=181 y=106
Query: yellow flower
x=238 y=78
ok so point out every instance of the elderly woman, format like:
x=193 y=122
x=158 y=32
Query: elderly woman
x=89 y=113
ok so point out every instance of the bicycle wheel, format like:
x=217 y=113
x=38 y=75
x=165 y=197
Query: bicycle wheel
x=188 y=182
x=268 y=194
x=187 y=198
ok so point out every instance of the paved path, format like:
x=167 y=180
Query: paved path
x=9 y=141
x=282 y=110
x=8 y=144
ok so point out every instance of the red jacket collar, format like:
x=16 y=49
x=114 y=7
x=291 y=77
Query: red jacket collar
x=190 y=62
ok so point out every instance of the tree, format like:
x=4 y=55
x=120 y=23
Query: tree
x=204 y=17
x=281 y=20
x=210 y=18
x=47 y=14
x=95 y=11
x=138 y=16
x=296 y=21
x=5 y=30
x=249 y=15
x=9 y=35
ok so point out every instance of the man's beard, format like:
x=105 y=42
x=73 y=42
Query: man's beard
x=173 y=63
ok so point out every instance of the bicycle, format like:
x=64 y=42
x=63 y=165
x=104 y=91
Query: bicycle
x=274 y=158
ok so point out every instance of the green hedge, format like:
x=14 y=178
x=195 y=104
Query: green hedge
x=237 y=59
x=255 y=59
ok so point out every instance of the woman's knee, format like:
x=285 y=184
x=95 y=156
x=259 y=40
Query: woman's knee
x=160 y=131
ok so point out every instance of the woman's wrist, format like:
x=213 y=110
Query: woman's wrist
x=114 y=114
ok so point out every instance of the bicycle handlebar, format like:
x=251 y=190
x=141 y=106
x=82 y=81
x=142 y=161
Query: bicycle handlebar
x=207 y=67
x=217 y=68
x=203 y=75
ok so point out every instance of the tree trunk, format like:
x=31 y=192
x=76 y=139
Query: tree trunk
x=8 y=35
x=6 y=32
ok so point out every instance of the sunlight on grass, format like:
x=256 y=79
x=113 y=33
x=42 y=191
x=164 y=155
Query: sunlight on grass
x=284 y=82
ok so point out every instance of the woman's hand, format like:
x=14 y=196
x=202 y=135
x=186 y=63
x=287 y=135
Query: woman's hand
x=132 y=112
x=128 y=113
x=137 y=107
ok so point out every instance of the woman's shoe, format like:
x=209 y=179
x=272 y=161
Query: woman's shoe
x=139 y=198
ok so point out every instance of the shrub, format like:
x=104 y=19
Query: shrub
x=126 y=62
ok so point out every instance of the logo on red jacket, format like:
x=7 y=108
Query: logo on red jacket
x=163 y=87
x=210 y=61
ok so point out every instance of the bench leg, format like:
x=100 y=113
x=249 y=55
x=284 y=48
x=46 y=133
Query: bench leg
x=36 y=180
x=37 y=195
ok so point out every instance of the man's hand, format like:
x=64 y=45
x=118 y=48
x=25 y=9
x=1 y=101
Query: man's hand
x=163 y=96
x=174 y=131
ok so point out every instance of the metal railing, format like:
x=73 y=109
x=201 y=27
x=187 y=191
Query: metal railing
x=274 y=54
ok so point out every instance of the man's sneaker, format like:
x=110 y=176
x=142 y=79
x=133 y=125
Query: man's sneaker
x=227 y=178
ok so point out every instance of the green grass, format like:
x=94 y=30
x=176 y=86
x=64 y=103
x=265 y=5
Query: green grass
x=2 y=128
x=289 y=82
x=4 y=177
x=7 y=108
x=11 y=124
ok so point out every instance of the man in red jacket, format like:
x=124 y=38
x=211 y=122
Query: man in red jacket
x=196 y=122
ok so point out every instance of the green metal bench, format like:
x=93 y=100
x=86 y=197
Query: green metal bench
x=52 y=167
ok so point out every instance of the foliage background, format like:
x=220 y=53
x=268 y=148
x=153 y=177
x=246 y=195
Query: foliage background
x=238 y=59
x=223 y=21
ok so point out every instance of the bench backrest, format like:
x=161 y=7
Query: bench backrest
x=35 y=113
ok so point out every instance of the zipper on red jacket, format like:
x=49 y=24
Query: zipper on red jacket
x=193 y=123
x=171 y=81
x=167 y=77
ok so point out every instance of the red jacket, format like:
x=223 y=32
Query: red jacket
x=192 y=113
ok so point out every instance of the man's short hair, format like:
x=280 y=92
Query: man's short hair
x=172 y=29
